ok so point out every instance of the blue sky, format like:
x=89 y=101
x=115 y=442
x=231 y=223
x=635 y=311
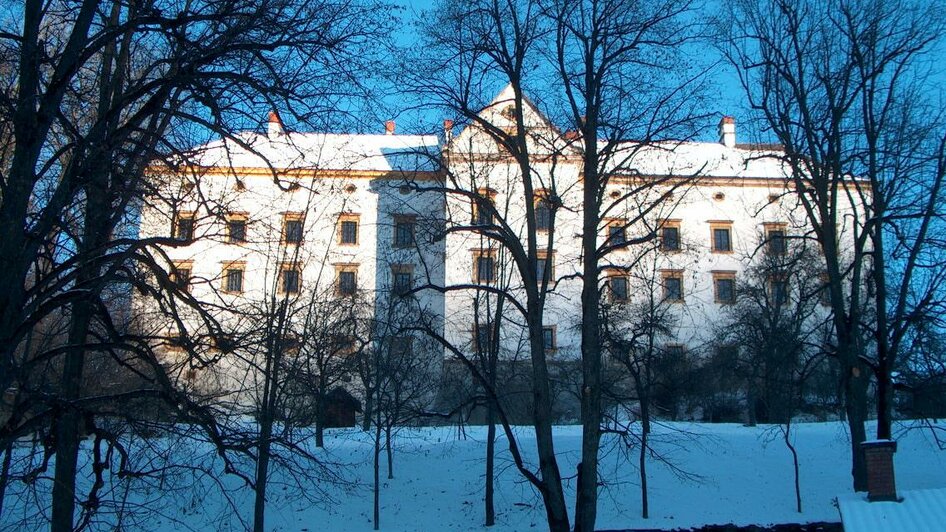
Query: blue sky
x=725 y=93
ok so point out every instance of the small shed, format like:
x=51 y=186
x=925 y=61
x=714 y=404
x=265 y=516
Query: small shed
x=914 y=511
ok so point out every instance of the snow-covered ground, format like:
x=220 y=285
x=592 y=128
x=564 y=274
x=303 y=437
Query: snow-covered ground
x=713 y=474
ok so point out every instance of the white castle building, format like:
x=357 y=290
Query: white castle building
x=291 y=214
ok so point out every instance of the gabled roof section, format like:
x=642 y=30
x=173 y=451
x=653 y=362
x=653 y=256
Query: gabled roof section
x=544 y=137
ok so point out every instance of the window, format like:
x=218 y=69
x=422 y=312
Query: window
x=617 y=234
x=674 y=351
x=347 y=279
x=776 y=242
x=618 y=286
x=404 y=231
x=233 y=278
x=543 y=211
x=721 y=233
x=289 y=279
x=724 y=287
x=181 y=276
x=402 y=279
x=343 y=345
x=349 y=232
x=548 y=338
x=175 y=342
x=348 y=229
x=292 y=228
x=673 y=286
x=184 y=227
x=402 y=346
x=347 y=283
x=482 y=337
x=224 y=342
x=291 y=344
x=824 y=292
x=670 y=235
x=236 y=230
x=484 y=267
x=544 y=266
x=778 y=291
x=483 y=206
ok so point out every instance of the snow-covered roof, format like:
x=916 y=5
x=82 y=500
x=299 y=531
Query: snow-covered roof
x=707 y=159
x=919 y=511
x=323 y=151
x=684 y=158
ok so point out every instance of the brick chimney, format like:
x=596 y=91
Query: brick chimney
x=274 y=129
x=881 y=483
x=727 y=131
x=389 y=127
x=447 y=131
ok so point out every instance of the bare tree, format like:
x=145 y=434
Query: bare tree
x=97 y=92
x=636 y=335
x=587 y=57
x=401 y=367
x=602 y=49
x=777 y=329
x=469 y=43
x=334 y=332
x=840 y=85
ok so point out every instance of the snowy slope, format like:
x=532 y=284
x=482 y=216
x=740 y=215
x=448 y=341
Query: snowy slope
x=719 y=474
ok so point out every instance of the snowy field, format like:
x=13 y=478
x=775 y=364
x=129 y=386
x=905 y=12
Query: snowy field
x=715 y=474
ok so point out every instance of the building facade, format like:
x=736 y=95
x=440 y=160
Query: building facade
x=306 y=216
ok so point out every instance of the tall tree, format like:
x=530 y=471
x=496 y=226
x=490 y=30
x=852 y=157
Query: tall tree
x=471 y=47
x=97 y=92
x=841 y=86
x=602 y=49
x=586 y=58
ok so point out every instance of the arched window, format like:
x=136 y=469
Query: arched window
x=543 y=211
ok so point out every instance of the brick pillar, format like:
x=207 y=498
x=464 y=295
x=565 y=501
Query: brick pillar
x=881 y=483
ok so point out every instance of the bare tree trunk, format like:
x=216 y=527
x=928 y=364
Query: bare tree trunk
x=644 y=399
x=262 y=471
x=855 y=391
x=551 y=489
x=786 y=435
x=492 y=363
x=31 y=121
x=587 y=503
x=5 y=472
x=377 y=473
x=320 y=420
x=881 y=334
x=490 y=463
x=389 y=452
x=66 y=424
x=369 y=410
x=751 y=398
x=266 y=416
x=319 y=433
x=645 y=512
